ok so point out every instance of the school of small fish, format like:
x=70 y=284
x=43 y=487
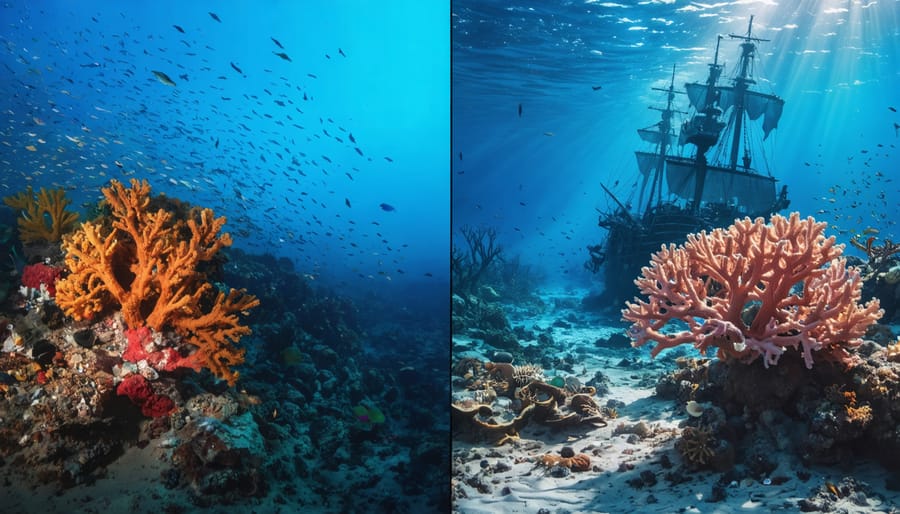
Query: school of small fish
x=110 y=98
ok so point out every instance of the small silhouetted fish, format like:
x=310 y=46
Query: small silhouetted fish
x=183 y=76
x=283 y=56
x=276 y=42
x=520 y=110
x=428 y=275
x=460 y=155
x=342 y=52
x=162 y=77
x=91 y=65
x=236 y=68
x=892 y=109
x=215 y=17
x=387 y=207
x=596 y=88
x=388 y=159
x=217 y=142
x=357 y=150
x=352 y=139
x=347 y=201
x=179 y=29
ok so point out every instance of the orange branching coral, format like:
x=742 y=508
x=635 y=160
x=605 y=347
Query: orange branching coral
x=146 y=263
x=754 y=289
x=43 y=218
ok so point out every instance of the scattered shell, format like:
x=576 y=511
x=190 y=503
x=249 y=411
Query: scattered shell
x=694 y=409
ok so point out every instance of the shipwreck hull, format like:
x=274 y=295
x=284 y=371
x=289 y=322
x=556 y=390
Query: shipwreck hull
x=629 y=246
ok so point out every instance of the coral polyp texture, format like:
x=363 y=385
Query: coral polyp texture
x=754 y=290
x=148 y=265
x=43 y=217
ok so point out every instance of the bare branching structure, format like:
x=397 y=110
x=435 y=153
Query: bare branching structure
x=469 y=263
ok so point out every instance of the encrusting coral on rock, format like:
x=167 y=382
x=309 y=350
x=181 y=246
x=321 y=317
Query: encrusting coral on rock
x=754 y=289
x=148 y=264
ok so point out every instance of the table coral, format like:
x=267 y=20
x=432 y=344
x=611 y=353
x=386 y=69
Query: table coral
x=754 y=290
x=149 y=264
x=36 y=212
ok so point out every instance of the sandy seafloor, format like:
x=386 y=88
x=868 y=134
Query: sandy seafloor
x=518 y=485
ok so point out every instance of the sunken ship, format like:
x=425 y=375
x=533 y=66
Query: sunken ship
x=697 y=176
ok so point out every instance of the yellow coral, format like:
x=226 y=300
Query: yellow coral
x=43 y=218
x=893 y=351
x=146 y=263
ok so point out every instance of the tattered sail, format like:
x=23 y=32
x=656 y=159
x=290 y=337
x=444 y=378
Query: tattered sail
x=654 y=136
x=724 y=186
x=755 y=104
x=647 y=162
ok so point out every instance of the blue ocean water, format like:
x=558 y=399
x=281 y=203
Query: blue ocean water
x=299 y=150
x=547 y=100
x=320 y=130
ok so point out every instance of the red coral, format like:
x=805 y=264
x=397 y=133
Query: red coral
x=138 y=390
x=157 y=405
x=141 y=347
x=34 y=275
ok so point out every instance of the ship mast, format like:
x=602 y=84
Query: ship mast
x=741 y=85
x=703 y=129
x=665 y=128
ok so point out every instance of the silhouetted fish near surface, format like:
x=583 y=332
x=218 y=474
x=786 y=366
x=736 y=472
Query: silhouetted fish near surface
x=179 y=29
x=215 y=17
x=347 y=201
x=236 y=68
x=596 y=88
x=91 y=65
x=283 y=56
x=520 y=110
x=892 y=109
x=276 y=42
x=342 y=52
x=387 y=207
x=162 y=77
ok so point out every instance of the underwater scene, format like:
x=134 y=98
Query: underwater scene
x=224 y=282
x=675 y=265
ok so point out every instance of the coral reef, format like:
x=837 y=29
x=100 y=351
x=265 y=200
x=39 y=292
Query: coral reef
x=754 y=290
x=148 y=264
x=43 y=217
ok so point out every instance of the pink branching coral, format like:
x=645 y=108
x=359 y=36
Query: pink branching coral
x=753 y=289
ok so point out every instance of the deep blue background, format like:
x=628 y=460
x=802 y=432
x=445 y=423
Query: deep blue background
x=283 y=175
